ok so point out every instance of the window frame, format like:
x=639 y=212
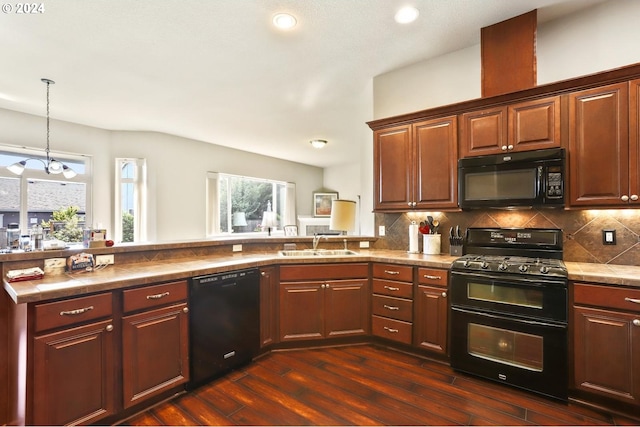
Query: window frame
x=139 y=181
x=39 y=174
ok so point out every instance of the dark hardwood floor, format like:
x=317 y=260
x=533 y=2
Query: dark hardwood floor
x=362 y=385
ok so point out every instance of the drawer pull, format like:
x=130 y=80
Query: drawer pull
x=636 y=322
x=109 y=328
x=390 y=307
x=158 y=296
x=391 y=330
x=392 y=272
x=76 y=311
x=428 y=276
x=391 y=288
x=633 y=300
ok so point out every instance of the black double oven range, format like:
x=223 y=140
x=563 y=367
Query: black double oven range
x=508 y=313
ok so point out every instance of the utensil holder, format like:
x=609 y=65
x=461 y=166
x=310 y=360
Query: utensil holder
x=431 y=244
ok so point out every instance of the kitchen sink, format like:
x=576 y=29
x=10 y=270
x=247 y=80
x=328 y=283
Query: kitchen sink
x=316 y=252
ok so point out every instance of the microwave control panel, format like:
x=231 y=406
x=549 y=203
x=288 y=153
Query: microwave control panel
x=555 y=188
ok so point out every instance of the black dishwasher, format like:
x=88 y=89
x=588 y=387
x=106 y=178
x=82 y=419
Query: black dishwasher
x=224 y=323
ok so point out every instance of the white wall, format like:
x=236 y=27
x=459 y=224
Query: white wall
x=602 y=37
x=176 y=170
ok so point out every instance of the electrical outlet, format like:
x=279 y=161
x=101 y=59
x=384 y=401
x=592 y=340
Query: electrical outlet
x=608 y=237
x=381 y=230
x=237 y=248
x=104 y=259
x=364 y=245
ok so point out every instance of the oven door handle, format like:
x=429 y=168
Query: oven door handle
x=513 y=319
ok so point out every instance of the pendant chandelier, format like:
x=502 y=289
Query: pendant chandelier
x=51 y=165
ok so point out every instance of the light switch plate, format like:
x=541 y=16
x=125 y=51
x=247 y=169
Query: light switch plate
x=364 y=245
x=381 y=230
x=237 y=248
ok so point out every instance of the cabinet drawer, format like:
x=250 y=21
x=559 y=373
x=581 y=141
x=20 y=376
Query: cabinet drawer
x=154 y=296
x=324 y=272
x=395 y=308
x=396 y=330
x=433 y=277
x=402 y=273
x=607 y=296
x=68 y=312
x=392 y=289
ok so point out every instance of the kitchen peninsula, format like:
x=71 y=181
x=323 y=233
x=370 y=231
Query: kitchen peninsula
x=143 y=267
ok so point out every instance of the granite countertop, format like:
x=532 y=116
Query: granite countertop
x=135 y=274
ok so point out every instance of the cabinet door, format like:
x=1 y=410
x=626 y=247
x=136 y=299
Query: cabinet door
x=483 y=132
x=155 y=352
x=347 y=308
x=430 y=323
x=634 y=141
x=436 y=157
x=301 y=310
x=393 y=172
x=535 y=125
x=599 y=146
x=607 y=353
x=74 y=375
x=268 y=306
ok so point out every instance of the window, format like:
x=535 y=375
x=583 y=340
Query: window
x=130 y=200
x=237 y=204
x=32 y=198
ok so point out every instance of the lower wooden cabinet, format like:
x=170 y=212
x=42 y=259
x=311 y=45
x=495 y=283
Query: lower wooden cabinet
x=92 y=357
x=74 y=359
x=268 y=306
x=323 y=301
x=606 y=342
x=431 y=310
x=74 y=375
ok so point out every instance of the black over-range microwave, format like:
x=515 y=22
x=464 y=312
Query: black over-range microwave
x=511 y=180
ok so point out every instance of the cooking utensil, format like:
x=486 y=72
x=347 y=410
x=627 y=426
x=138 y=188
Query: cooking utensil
x=434 y=226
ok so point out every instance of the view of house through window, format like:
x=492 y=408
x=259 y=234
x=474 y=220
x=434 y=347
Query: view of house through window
x=36 y=198
x=249 y=205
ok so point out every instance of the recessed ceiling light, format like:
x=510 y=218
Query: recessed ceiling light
x=284 y=21
x=406 y=15
x=318 y=143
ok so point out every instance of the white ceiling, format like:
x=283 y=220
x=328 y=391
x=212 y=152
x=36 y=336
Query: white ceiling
x=217 y=70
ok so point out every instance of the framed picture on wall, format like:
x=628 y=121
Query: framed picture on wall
x=322 y=203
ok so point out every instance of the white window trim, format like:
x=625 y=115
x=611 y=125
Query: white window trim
x=40 y=174
x=139 y=198
x=213 y=207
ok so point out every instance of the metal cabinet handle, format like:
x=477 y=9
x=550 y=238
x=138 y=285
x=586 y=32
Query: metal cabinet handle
x=633 y=300
x=158 y=296
x=510 y=147
x=636 y=322
x=76 y=311
x=109 y=328
x=444 y=295
x=393 y=331
x=392 y=288
x=392 y=272
x=262 y=273
x=624 y=198
x=503 y=148
x=185 y=310
x=427 y=276
x=634 y=197
x=390 y=307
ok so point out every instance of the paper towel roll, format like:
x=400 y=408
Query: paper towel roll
x=413 y=238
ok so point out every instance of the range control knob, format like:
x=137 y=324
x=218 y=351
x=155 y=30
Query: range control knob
x=544 y=269
x=484 y=265
x=503 y=266
x=465 y=263
x=523 y=268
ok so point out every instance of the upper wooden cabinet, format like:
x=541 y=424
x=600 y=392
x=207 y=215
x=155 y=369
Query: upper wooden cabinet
x=603 y=161
x=523 y=126
x=416 y=166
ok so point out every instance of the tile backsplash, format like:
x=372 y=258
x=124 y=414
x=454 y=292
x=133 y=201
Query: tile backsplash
x=582 y=230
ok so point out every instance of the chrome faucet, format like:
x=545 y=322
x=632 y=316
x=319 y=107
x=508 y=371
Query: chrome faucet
x=316 y=240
